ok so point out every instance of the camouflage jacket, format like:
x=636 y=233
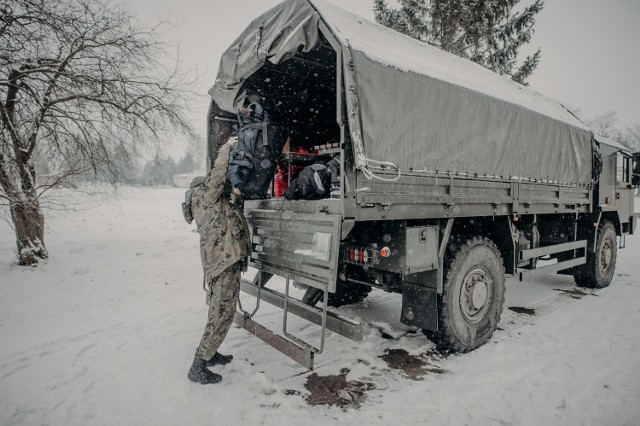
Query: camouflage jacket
x=224 y=234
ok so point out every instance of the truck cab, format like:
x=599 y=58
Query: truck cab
x=616 y=187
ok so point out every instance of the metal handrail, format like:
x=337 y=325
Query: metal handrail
x=259 y=285
x=323 y=325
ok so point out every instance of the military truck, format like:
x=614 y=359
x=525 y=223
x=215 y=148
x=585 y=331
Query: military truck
x=452 y=178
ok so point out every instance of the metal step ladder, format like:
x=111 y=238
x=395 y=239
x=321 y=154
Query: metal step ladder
x=294 y=347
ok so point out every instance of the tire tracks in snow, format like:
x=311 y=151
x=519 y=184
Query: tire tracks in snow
x=58 y=381
x=512 y=323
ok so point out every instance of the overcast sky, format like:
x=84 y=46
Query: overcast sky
x=590 y=53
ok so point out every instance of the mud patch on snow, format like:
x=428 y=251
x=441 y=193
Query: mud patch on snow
x=336 y=390
x=386 y=335
x=521 y=310
x=576 y=293
x=414 y=367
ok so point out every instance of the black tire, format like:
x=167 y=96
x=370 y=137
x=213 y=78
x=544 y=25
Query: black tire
x=600 y=266
x=312 y=296
x=345 y=294
x=473 y=295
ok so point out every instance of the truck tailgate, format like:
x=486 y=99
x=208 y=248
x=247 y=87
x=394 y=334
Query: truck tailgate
x=298 y=246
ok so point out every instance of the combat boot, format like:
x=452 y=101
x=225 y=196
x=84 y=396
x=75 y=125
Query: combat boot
x=200 y=374
x=219 y=359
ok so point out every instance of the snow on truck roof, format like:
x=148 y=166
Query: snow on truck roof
x=612 y=142
x=391 y=48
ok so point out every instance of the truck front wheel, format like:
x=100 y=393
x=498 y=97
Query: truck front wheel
x=473 y=295
x=598 y=271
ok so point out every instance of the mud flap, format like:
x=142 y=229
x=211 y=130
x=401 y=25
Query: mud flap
x=419 y=306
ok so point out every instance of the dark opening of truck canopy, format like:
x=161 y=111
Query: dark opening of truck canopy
x=405 y=102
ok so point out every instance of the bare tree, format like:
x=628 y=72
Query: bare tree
x=632 y=137
x=82 y=85
x=605 y=125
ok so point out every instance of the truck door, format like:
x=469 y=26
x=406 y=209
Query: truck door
x=635 y=176
x=624 y=188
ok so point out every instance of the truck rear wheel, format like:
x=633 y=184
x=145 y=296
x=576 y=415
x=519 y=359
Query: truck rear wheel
x=600 y=266
x=473 y=295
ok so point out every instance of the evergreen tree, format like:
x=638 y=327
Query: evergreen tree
x=187 y=164
x=487 y=32
x=159 y=171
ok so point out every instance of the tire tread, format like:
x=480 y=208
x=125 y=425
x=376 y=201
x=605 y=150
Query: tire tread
x=454 y=257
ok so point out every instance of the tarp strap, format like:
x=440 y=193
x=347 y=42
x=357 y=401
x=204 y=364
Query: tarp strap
x=244 y=151
x=263 y=127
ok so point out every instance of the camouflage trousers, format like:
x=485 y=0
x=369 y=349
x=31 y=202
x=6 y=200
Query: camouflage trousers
x=221 y=298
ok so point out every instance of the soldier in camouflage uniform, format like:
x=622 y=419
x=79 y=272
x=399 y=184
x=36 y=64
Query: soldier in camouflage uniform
x=224 y=247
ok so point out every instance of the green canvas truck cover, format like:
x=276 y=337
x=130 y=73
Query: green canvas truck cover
x=417 y=106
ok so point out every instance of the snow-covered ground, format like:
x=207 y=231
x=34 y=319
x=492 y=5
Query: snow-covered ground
x=104 y=333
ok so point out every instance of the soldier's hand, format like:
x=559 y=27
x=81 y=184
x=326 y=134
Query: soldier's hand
x=232 y=140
